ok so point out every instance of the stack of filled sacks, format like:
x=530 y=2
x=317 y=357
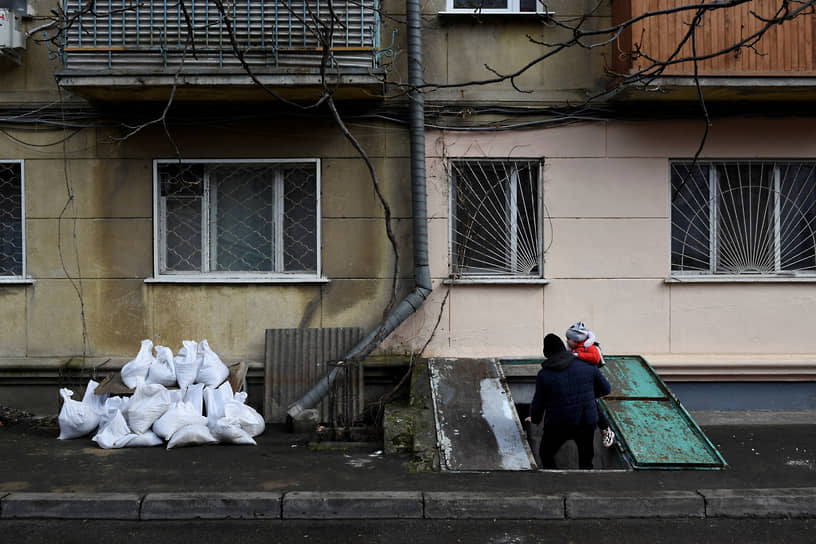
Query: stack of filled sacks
x=155 y=414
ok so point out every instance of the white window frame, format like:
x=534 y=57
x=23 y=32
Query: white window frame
x=512 y=202
x=23 y=278
x=714 y=203
x=159 y=245
x=513 y=8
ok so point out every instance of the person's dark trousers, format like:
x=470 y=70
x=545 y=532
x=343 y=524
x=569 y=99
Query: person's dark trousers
x=554 y=437
x=603 y=421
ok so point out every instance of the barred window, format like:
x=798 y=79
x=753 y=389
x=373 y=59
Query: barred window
x=238 y=218
x=12 y=221
x=495 y=224
x=744 y=217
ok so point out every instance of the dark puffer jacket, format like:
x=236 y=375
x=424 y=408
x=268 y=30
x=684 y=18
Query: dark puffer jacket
x=566 y=389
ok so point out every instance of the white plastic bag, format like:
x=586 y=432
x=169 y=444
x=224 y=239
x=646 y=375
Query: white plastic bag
x=213 y=371
x=112 y=405
x=177 y=416
x=191 y=435
x=135 y=372
x=187 y=363
x=249 y=419
x=145 y=440
x=75 y=418
x=194 y=396
x=116 y=434
x=96 y=402
x=215 y=399
x=228 y=430
x=163 y=370
x=148 y=403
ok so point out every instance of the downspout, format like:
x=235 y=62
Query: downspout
x=422 y=273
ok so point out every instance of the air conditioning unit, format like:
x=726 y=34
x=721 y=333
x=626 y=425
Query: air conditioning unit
x=11 y=30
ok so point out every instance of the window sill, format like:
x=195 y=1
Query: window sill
x=496 y=14
x=740 y=279
x=16 y=281
x=238 y=279
x=495 y=281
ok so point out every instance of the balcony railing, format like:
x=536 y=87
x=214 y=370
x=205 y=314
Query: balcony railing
x=153 y=36
x=785 y=50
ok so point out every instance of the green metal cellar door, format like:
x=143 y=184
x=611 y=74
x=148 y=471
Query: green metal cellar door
x=654 y=429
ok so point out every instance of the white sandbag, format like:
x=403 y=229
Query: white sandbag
x=194 y=396
x=116 y=434
x=228 y=431
x=148 y=403
x=191 y=435
x=75 y=418
x=135 y=372
x=213 y=371
x=249 y=419
x=145 y=440
x=96 y=402
x=112 y=405
x=214 y=400
x=163 y=370
x=176 y=395
x=177 y=416
x=187 y=363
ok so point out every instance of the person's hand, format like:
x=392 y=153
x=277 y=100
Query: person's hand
x=528 y=419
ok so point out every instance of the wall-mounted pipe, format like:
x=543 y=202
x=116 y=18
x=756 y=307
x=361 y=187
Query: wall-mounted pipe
x=422 y=273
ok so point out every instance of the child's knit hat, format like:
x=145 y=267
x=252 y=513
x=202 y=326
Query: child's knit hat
x=578 y=332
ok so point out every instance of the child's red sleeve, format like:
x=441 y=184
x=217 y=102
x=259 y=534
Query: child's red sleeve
x=590 y=354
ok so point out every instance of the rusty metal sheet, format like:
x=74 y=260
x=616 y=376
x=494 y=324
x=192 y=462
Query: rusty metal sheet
x=653 y=427
x=477 y=426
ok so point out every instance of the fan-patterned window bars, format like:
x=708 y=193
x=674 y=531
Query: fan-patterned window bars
x=496 y=218
x=238 y=218
x=746 y=217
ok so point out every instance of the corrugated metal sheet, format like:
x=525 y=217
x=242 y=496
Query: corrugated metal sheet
x=153 y=34
x=297 y=358
x=653 y=427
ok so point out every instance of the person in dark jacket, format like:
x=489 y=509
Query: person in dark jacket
x=566 y=389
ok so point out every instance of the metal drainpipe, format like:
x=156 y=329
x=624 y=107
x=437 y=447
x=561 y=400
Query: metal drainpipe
x=422 y=273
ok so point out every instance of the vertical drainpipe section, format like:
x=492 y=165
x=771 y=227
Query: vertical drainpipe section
x=422 y=273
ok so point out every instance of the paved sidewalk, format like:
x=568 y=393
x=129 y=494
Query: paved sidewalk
x=771 y=473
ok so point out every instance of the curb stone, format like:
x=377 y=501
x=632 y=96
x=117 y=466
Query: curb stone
x=260 y=505
x=653 y=504
x=71 y=505
x=472 y=505
x=353 y=505
x=768 y=502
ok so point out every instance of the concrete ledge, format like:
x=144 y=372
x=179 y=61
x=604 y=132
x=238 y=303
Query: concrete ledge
x=751 y=503
x=440 y=505
x=352 y=505
x=162 y=506
x=654 y=504
x=71 y=506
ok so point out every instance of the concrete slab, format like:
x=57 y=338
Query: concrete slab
x=492 y=506
x=352 y=505
x=123 y=506
x=771 y=502
x=259 y=505
x=645 y=504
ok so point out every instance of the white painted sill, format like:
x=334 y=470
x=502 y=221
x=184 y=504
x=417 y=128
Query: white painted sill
x=507 y=14
x=740 y=279
x=277 y=280
x=495 y=281
x=16 y=281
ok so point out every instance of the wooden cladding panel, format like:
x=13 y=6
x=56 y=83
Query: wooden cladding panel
x=784 y=50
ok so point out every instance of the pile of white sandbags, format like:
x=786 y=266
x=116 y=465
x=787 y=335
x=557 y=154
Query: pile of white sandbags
x=203 y=410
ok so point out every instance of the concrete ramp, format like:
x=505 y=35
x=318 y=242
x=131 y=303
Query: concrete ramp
x=477 y=426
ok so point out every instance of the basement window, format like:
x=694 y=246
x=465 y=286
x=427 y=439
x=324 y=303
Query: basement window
x=743 y=218
x=496 y=219
x=12 y=221
x=239 y=219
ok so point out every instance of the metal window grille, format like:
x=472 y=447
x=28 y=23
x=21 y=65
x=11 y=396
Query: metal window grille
x=220 y=218
x=11 y=219
x=743 y=217
x=154 y=34
x=496 y=218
